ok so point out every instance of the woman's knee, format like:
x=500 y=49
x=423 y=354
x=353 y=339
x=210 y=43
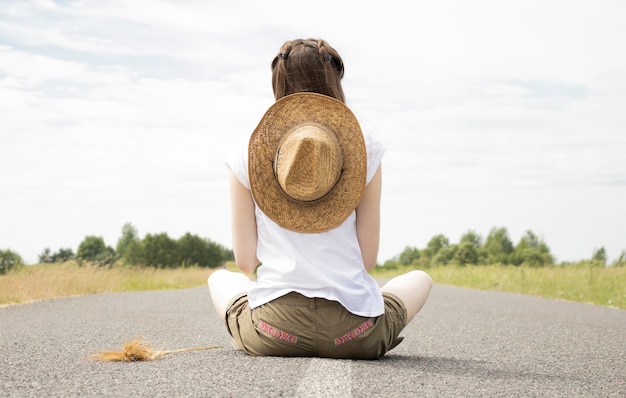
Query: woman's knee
x=224 y=285
x=222 y=280
x=411 y=280
x=422 y=277
x=413 y=288
x=216 y=276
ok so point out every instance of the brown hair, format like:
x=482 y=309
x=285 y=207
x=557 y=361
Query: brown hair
x=307 y=65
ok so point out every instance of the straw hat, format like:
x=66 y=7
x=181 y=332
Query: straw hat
x=307 y=162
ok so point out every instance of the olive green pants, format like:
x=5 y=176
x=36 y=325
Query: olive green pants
x=295 y=325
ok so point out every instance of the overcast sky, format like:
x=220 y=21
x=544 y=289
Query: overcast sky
x=494 y=114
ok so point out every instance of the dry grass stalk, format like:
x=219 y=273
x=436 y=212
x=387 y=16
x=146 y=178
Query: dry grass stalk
x=45 y=281
x=138 y=350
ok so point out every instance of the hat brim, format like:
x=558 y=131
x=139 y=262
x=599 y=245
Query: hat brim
x=331 y=210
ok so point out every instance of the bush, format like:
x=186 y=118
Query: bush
x=496 y=249
x=9 y=260
x=129 y=236
x=445 y=255
x=531 y=250
x=409 y=255
x=499 y=246
x=467 y=253
x=621 y=260
x=93 y=249
x=599 y=256
x=160 y=251
x=61 y=256
x=390 y=265
x=163 y=252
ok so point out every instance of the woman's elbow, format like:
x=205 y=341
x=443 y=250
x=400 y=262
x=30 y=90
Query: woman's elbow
x=369 y=263
x=247 y=264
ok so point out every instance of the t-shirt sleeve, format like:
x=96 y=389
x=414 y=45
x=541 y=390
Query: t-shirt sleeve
x=237 y=162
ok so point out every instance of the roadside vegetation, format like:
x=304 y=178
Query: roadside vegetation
x=528 y=267
x=584 y=284
x=154 y=250
x=159 y=262
x=45 y=281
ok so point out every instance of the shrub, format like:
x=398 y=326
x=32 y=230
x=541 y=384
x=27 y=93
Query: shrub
x=9 y=260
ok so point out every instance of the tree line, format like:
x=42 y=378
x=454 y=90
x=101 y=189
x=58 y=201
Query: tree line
x=497 y=248
x=161 y=251
x=154 y=250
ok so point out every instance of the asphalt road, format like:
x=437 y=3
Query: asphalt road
x=464 y=343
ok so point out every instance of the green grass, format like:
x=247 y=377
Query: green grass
x=603 y=286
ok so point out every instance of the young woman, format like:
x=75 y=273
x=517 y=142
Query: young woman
x=305 y=198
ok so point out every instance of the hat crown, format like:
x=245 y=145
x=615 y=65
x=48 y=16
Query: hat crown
x=307 y=185
x=308 y=162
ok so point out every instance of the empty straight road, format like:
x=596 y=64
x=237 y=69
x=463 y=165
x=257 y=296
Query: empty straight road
x=464 y=343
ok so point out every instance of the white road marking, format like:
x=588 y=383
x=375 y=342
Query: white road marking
x=327 y=378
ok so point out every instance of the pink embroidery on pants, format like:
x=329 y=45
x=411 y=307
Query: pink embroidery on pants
x=277 y=333
x=359 y=330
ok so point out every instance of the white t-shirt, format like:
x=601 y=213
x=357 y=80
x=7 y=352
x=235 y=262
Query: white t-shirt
x=327 y=264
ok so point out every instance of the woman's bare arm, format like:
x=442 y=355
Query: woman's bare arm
x=368 y=220
x=243 y=225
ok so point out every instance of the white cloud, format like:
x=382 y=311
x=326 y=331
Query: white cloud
x=35 y=68
x=492 y=113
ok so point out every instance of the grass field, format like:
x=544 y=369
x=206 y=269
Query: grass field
x=603 y=286
x=44 y=281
